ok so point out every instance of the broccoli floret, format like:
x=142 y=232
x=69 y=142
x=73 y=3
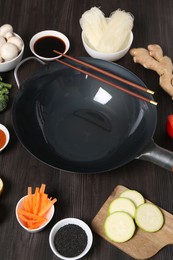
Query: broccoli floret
x=5 y=85
x=4 y=92
x=3 y=102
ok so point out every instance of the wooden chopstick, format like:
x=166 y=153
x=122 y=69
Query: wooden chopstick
x=107 y=82
x=105 y=72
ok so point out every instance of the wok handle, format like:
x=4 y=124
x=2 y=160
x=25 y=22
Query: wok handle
x=21 y=63
x=157 y=155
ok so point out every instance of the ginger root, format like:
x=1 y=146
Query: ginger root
x=152 y=58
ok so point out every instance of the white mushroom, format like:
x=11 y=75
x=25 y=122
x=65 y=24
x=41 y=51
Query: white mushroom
x=1 y=59
x=16 y=41
x=4 y=29
x=9 y=51
x=8 y=35
x=2 y=41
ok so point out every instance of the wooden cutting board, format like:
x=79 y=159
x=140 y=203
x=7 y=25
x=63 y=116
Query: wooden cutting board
x=143 y=245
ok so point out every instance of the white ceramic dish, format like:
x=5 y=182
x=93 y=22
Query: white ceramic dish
x=5 y=130
x=106 y=56
x=67 y=221
x=10 y=65
x=48 y=215
x=48 y=33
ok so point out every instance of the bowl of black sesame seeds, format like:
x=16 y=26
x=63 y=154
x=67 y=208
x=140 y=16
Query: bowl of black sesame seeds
x=70 y=239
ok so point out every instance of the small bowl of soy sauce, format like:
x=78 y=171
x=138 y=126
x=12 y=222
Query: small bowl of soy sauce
x=70 y=239
x=43 y=44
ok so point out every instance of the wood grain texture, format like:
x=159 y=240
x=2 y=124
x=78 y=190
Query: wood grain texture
x=81 y=195
x=143 y=245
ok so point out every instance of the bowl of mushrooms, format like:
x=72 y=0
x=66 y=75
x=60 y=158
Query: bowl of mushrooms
x=11 y=48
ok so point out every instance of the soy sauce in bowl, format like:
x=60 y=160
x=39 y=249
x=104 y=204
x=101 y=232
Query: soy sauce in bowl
x=45 y=45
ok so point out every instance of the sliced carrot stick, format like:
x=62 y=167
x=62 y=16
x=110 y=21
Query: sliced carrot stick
x=29 y=190
x=46 y=207
x=36 y=190
x=37 y=225
x=28 y=214
x=37 y=203
x=31 y=220
x=43 y=200
x=42 y=188
x=34 y=200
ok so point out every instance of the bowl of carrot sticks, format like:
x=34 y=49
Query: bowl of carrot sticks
x=35 y=210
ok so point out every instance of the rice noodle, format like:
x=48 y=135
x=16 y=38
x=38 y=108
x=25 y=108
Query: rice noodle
x=107 y=35
x=93 y=23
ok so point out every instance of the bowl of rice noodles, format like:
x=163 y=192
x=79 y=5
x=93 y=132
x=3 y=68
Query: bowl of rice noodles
x=106 y=38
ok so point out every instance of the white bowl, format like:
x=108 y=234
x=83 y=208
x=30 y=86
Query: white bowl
x=10 y=65
x=6 y=132
x=48 y=215
x=61 y=224
x=49 y=33
x=103 y=55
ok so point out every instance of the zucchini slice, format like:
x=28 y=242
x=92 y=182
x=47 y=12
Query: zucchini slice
x=119 y=227
x=149 y=217
x=133 y=195
x=122 y=204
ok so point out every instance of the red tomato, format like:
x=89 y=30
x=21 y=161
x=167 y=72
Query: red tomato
x=169 y=125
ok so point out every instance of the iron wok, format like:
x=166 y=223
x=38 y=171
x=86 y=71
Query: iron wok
x=75 y=123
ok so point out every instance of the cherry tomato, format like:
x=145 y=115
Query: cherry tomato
x=169 y=125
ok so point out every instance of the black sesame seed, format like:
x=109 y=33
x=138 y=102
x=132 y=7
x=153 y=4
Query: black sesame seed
x=70 y=240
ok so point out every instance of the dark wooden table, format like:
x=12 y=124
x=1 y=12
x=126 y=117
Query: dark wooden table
x=81 y=195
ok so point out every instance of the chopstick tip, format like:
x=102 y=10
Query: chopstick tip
x=150 y=91
x=153 y=102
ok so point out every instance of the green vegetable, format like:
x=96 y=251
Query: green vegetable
x=126 y=210
x=119 y=227
x=4 y=94
x=133 y=195
x=122 y=204
x=149 y=217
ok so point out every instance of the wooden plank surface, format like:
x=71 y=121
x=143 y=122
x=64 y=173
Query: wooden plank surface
x=81 y=195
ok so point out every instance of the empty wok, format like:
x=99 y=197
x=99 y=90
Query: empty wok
x=73 y=122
